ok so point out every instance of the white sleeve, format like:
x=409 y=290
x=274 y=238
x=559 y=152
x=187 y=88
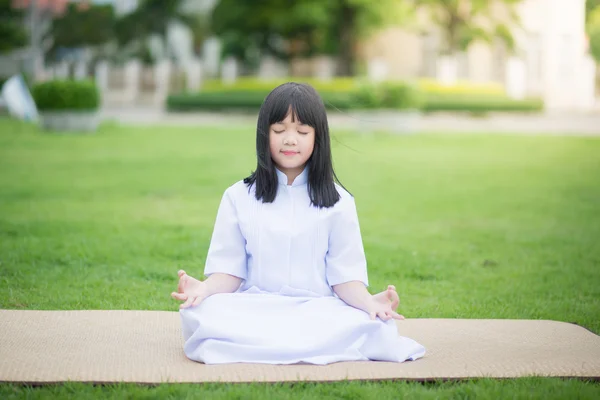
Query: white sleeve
x=227 y=251
x=345 y=259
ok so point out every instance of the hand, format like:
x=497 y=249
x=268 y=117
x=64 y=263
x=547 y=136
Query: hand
x=190 y=290
x=384 y=305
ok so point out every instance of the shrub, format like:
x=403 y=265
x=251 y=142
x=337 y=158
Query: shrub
x=481 y=104
x=250 y=101
x=345 y=85
x=369 y=97
x=400 y=95
x=252 y=84
x=431 y=86
x=389 y=95
x=60 y=95
x=249 y=93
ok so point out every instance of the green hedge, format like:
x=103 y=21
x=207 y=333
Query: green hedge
x=58 y=95
x=257 y=84
x=389 y=95
x=481 y=104
x=251 y=101
x=345 y=85
x=348 y=93
x=398 y=95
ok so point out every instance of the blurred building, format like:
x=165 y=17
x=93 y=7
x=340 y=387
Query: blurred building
x=551 y=44
x=179 y=38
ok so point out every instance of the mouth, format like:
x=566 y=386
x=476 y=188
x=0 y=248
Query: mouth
x=289 y=153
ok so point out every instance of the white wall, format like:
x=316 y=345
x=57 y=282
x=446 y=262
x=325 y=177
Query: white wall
x=554 y=44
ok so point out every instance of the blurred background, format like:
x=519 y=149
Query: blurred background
x=196 y=55
x=501 y=220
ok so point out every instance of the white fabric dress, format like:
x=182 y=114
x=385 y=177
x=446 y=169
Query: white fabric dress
x=289 y=254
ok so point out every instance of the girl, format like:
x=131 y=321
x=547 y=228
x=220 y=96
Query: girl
x=287 y=276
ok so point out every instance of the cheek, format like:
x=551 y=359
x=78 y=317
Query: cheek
x=310 y=143
x=272 y=144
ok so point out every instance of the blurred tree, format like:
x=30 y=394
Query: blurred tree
x=590 y=5
x=356 y=19
x=466 y=21
x=152 y=17
x=593 y=30
x=12 y=28
x=39 y=15
x=89 y=26
x=199 y=26
x=302 y=28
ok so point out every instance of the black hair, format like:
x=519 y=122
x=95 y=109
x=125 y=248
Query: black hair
x=307 y=106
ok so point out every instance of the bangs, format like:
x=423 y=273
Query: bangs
x=304 y=104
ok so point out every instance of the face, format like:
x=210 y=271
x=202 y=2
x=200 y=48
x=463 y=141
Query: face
x=291 y=144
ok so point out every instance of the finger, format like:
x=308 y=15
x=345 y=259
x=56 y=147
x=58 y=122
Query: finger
x=395 y=315
x=179 y=296
x=182 y=283
x=197 y=301
x=381 y=314
x=180 y=272
x=188 y=302
x=393 y=297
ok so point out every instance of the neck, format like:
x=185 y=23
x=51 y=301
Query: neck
x=291 y=173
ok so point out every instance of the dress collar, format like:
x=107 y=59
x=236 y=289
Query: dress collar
x=300 y=179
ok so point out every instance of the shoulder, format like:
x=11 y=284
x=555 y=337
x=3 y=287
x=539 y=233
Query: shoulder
x=345 y=205
x=346 y=199
x=238 y=192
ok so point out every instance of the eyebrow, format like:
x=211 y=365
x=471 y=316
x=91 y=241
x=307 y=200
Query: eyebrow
x=282 y=123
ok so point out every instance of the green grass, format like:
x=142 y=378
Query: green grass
x=466 y=226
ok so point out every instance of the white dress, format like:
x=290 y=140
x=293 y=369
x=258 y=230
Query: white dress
x=289 y=254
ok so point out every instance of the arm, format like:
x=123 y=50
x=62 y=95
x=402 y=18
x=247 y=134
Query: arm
x=222 y=283
x=355 y=294
x=346 y=265
x=225 y=266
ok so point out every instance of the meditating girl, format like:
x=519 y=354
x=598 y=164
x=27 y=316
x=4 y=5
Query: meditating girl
x=286 y=269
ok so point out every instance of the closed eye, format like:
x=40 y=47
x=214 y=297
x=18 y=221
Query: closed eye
x=277 y=131
x=303 y=133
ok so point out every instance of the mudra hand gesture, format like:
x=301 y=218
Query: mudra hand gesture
x=190 y=290
x=384 y=305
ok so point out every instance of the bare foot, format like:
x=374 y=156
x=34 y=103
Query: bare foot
x=388 y=296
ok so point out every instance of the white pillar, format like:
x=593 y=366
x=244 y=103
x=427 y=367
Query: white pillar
x=132 y=80
x=325 y=68
x=162 y=75
x=377 y=70
x=193 y=73
x=447 y=70
x=586 y=88
x=211 y=54
x=516 y=79
x=61 y=70
x=230 y=71
x=271 y=68
x=101 y=78
x=80 y=70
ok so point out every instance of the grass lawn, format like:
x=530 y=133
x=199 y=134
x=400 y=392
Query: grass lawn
x=466 y=226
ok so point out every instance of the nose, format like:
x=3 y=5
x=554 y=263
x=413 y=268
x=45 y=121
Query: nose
x=289 y=140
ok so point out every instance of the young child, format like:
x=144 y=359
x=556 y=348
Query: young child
x=287 y=275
